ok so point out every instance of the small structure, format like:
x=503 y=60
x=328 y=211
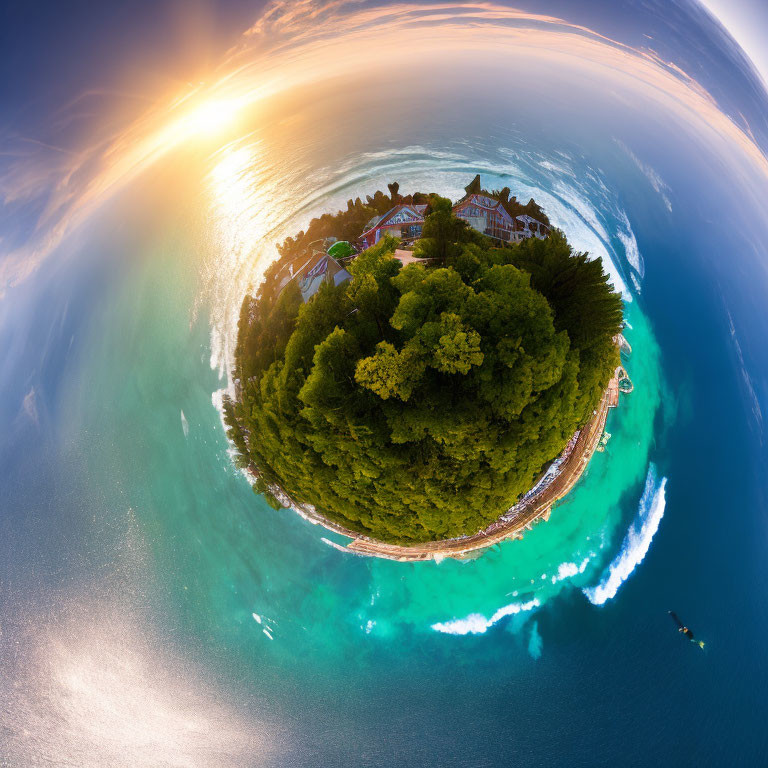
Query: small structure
x=341 y=249
x=311 y=271
x=321 y=268
x=404 y=221
x=619 y=383
x=625 y=383
x=526 y=226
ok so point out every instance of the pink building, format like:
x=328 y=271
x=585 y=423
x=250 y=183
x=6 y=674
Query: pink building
x=404 y=221
x=482 y=213
x=486 y=215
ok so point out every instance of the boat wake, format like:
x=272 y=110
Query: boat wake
x=636 y=543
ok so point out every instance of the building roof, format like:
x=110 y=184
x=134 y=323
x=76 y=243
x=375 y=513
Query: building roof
x=341 y=249
x=413 y=214
x=318 y=270
x=528 y=219
x=483 y=201
x=341 y=277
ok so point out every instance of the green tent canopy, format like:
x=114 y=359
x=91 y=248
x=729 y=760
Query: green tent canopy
x=340 y=249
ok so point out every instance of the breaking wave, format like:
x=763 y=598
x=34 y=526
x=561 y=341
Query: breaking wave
x=636 y=543
x=476 y=623
x=568 y=570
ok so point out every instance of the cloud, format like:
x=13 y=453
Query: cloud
x=29 y=407
x=653 y=177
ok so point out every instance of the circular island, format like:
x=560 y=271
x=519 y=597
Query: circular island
x=426 y=378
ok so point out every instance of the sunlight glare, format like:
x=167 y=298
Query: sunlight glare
x=210 y=118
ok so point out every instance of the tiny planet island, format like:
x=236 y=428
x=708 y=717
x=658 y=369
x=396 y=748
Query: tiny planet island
x=426 y=378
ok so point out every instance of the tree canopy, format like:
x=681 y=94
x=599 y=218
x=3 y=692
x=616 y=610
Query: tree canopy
x=419 y=403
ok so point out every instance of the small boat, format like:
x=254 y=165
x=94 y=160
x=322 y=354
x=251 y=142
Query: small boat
x=684 y=630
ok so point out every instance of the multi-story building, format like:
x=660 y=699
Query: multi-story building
x=403 y=221
x=484 y=214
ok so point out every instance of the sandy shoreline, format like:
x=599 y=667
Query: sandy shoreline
x=512 y=524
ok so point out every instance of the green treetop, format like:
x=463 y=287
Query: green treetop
x=419 y=403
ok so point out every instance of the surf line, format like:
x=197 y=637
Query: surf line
x=636 y=542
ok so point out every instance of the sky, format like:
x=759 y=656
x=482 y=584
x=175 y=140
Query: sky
x=53 y=52
x=116 y=42
x=747 y=21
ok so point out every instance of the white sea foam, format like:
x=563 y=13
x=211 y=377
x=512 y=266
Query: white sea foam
x=476 y=623
x=29 y=406
x=328 y=541
x=569 y=570
x=548 y=165
x=757 y=411
x=636 y=542
x=583 y=206
x=217 y=400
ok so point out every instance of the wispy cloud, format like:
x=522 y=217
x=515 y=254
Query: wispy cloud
x=658 y=184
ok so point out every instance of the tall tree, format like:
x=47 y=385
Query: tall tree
x=474 y=186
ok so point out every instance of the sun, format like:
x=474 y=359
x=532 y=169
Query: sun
x=211 y=116
x=207 y=119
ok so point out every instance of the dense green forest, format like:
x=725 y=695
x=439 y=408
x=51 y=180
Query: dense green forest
x=419 y=403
